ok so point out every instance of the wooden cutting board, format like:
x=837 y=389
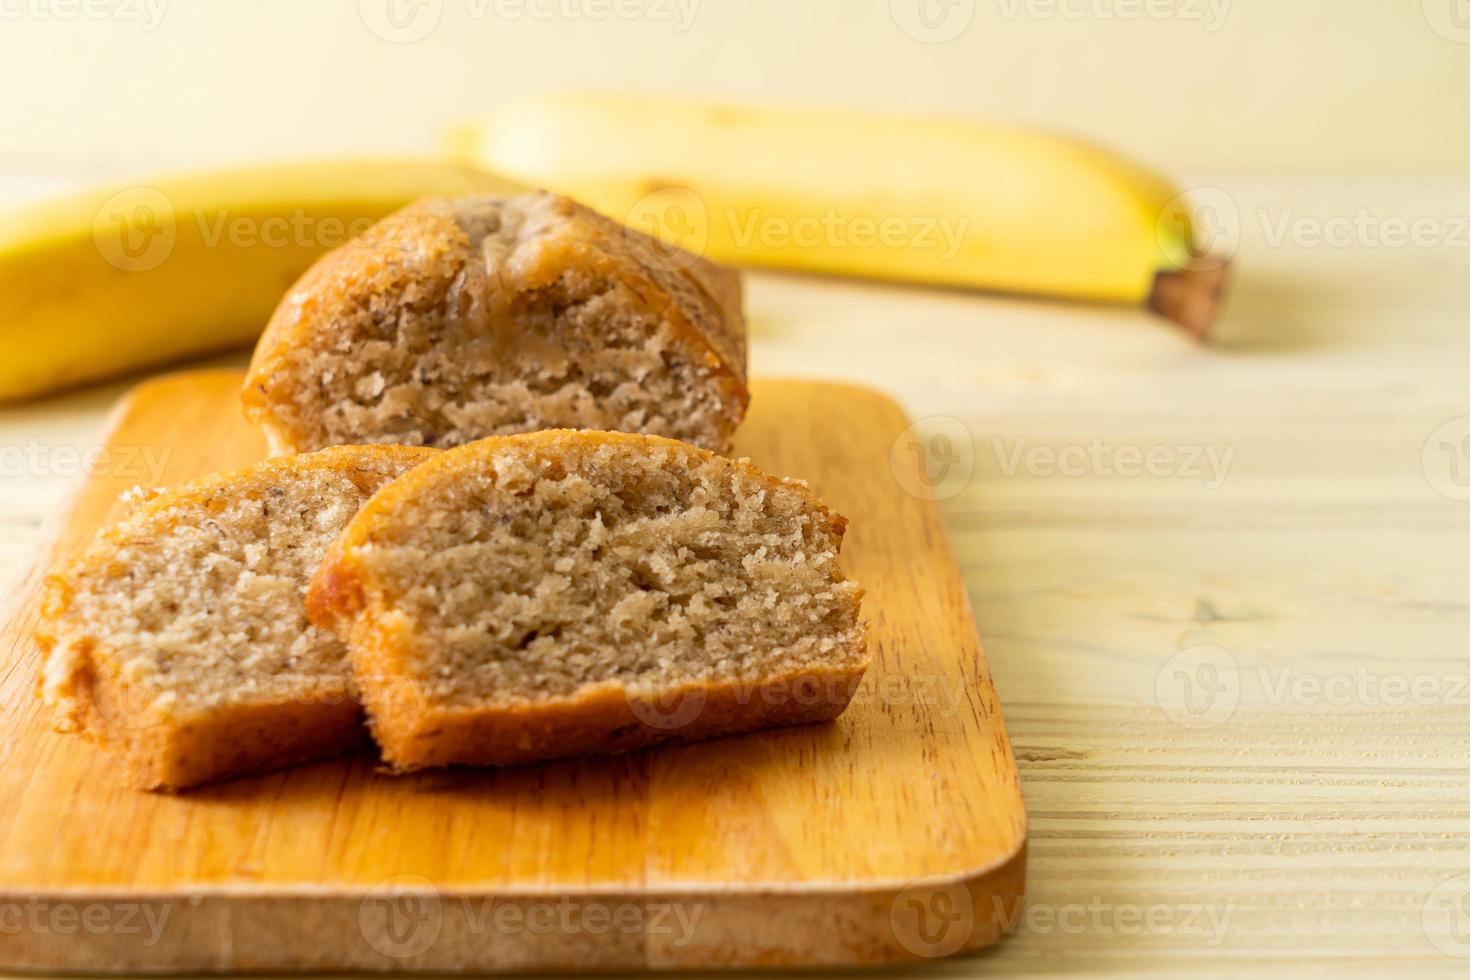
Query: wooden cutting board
x=897 y=832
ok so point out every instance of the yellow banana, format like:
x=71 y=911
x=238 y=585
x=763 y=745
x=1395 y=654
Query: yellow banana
x=118 y=278
x=932 y=201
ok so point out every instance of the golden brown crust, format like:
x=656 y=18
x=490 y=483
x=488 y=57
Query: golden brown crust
x=334 y=593
x=418 y=255
x=700 y=297
x=85 y=684
x=599 y=720
x=553 y=442
x=412 y=733
x=234 y=740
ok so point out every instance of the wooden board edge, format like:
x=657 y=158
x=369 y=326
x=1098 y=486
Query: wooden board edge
x=943 y=552
x=410 y=927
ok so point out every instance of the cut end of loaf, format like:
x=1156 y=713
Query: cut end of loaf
x=455 y=320
x=179 y=638
x=563 y=592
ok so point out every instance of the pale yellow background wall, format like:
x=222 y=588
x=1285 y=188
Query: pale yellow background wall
x=1195 y=86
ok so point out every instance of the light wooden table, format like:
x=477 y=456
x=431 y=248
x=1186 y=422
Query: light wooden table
x=1239 y=685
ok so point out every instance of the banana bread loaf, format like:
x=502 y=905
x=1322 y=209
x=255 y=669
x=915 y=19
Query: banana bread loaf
x=457 y=319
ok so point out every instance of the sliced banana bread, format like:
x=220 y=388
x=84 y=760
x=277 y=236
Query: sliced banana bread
x=179 y=637
x=457 y=319
x=559 y=593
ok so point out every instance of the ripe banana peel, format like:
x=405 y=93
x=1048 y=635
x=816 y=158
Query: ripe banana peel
x=921 y=200
x=113 y=279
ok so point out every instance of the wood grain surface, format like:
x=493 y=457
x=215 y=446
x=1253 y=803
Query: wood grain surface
x=897 y=832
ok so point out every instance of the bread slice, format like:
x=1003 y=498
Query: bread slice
x=457 y=319
x=179 y=637
x=560 y=593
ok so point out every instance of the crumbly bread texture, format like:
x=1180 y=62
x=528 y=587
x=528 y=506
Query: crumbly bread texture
x=179 y=637
x=537 y=596
x=454 y=320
